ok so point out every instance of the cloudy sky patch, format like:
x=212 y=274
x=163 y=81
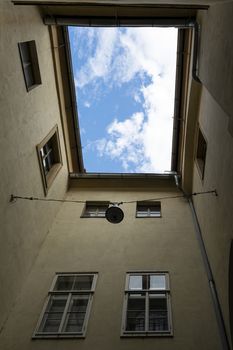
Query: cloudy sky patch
x=125 y=85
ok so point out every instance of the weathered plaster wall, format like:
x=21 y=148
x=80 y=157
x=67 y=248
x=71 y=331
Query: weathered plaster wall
x=216 y=52
x=79 y=244
x=215 y=213
x=26 y=118
x=216 y=122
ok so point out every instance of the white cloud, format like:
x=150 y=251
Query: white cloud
x=99 y=64
x=142 y=141
x=82 y=131
x=87 y=104
x=137 y=97
x=124 y=141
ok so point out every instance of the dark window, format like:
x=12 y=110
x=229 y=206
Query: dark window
x=49 y=154
x=95 y=209
x=201 y=153
x=147 y=305
x=148 y=210
x=50 y=157
x=30 y=64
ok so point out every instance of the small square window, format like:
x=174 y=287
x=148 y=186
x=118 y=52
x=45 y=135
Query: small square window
x=148 y=210
x=95 y=209
x=147 y=309
x=201 y=153
x=49 y=154
x=67 y=308
x=30 y=65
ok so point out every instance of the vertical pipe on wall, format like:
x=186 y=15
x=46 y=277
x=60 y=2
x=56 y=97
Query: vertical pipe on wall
x=213 y=290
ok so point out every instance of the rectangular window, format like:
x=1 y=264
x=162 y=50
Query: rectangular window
x=95 y=209
x=49 y=154
x=147 y=309
x=30 y=65
x=67 y=308
x=148 y=209
x=201 y=153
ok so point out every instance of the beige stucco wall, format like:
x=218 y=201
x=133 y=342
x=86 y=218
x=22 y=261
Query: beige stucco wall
x=77 y=244
x=215 y=213
x=215 y=55
x=26 y=118
x=215 y=118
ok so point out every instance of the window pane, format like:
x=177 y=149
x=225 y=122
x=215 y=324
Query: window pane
x=96 y=210
x=30 y=63
x=76 y=314
x=142 y=207
x=201 y=152
x=142 y=214
x=149 y=209
x=158 y=316
x=53 y=314
x=154 y=208
x=91 y=210
x=102 y=209
x=135 y=282
x=64 y=283
x=25 y=52
x=154 y=211
x=78 y=303
x=74 y=322
x=83 y=282
x=157 y=282
x=50 y=325
x=56 y=304
x=29 y=75
x=135 y=313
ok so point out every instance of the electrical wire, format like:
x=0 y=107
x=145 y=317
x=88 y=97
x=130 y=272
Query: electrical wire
x=13 y=198
x=172 y=197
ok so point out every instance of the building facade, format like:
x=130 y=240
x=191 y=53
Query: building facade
x=160 y=278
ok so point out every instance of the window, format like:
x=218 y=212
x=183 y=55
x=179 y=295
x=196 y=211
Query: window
x=148 y=210
x=147 y=308
x=30 y=64
x=95 y=210
x=49 y=154
x=201 y=153
x=68 y=306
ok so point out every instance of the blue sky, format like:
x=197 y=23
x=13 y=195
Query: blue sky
x=125 y=84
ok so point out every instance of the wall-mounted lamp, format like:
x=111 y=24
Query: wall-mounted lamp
x=114 y=214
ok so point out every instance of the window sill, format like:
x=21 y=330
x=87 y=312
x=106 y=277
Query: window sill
x=58 y=336
x=148 y=217
x=31 y=87
x=92 y=217
x=146 y=334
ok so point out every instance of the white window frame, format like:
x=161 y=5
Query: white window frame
x=147 y=212
x=31 y=66
x=49 y=177
x=98 y=213
x=147 y=292
x=68 y=294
